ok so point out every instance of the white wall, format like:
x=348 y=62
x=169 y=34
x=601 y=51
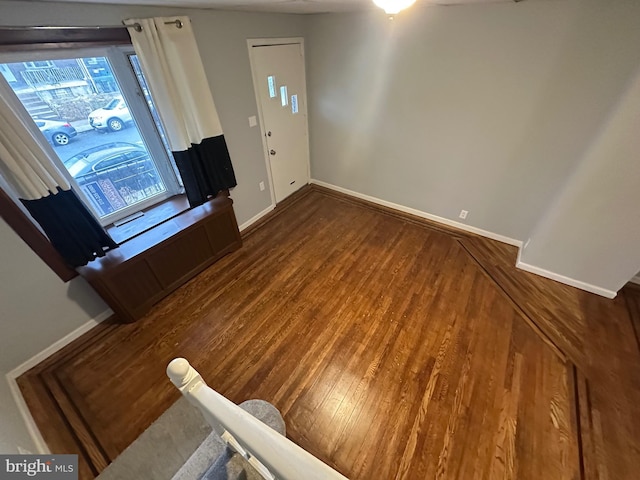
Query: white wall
x=36 y=308
x=487 y=108
x=592 y=230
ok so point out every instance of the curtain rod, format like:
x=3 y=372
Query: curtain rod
x=136 y=26
x=34 y=27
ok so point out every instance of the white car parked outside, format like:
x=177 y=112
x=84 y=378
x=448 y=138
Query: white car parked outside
x=113 y=117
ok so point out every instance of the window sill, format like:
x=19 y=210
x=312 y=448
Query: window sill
x=152 y=217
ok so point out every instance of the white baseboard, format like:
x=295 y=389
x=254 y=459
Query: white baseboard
x=255 y=218
x=64 y=341
x=635 y=280
x=572 y=282
x=420 y=213
x=32 y=428
x=467 y=228
x=11 y=376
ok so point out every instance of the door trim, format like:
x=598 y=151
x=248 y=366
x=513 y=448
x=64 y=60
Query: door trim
x=267 y=42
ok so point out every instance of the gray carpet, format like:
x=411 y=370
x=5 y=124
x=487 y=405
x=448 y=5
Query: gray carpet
x=214 y=461
x=180 y=445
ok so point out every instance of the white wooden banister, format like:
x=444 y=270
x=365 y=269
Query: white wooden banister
x=246 y=434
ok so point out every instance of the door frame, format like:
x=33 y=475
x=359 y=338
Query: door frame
x=266 y=42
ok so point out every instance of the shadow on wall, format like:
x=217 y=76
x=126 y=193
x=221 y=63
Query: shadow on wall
x=591 y=71
x=588 y=233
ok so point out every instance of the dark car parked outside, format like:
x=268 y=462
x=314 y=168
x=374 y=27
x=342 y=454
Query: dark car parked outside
x=115 y=175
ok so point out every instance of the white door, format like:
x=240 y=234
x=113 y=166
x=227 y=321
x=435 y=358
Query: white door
x=280 y=85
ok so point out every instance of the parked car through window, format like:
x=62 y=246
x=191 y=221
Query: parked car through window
x=115 y=175
x=56 y=133
x=113 y=117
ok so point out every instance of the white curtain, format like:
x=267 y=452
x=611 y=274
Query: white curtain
x=168 y=53
x=26 y=164
x=24 y=156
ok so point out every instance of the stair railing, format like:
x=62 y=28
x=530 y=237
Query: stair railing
x=271 y=454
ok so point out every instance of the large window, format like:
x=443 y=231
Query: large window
x=96 y=112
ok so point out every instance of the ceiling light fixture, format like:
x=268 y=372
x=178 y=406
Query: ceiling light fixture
x=392 y=7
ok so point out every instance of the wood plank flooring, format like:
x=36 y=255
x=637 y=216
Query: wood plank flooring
x=395 y=349
x=600 y=337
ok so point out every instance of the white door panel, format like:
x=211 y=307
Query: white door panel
x=279 y=73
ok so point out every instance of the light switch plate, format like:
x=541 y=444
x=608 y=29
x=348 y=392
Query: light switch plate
x=253 y=121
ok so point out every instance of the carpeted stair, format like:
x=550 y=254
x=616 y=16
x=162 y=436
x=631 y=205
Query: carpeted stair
x=180 y=445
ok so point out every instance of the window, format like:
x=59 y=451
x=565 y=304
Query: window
x=271 y=80
x=97 y=113
x=40 y=64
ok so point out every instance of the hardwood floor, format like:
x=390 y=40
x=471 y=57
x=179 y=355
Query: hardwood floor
x=600 y=337
x=394 y=348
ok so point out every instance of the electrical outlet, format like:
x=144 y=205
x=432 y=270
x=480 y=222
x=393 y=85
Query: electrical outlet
x=262 y=186
x=463 y=214
x=253 y=121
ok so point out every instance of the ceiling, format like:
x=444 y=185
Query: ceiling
x=283 y=6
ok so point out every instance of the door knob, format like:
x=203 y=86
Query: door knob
x=272 y=151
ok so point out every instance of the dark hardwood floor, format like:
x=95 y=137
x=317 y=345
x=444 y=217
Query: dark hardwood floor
x=394 y=348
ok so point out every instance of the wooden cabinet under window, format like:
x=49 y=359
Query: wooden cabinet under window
x=147 y=268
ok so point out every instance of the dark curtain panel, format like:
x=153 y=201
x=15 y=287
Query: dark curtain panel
x=71 y=228
x=206 y=169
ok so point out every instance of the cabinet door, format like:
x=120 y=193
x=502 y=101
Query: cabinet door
x=223 y=233
x=179 y=258
x=135 y=287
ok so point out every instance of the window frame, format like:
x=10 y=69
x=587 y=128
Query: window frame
x=118 y=58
